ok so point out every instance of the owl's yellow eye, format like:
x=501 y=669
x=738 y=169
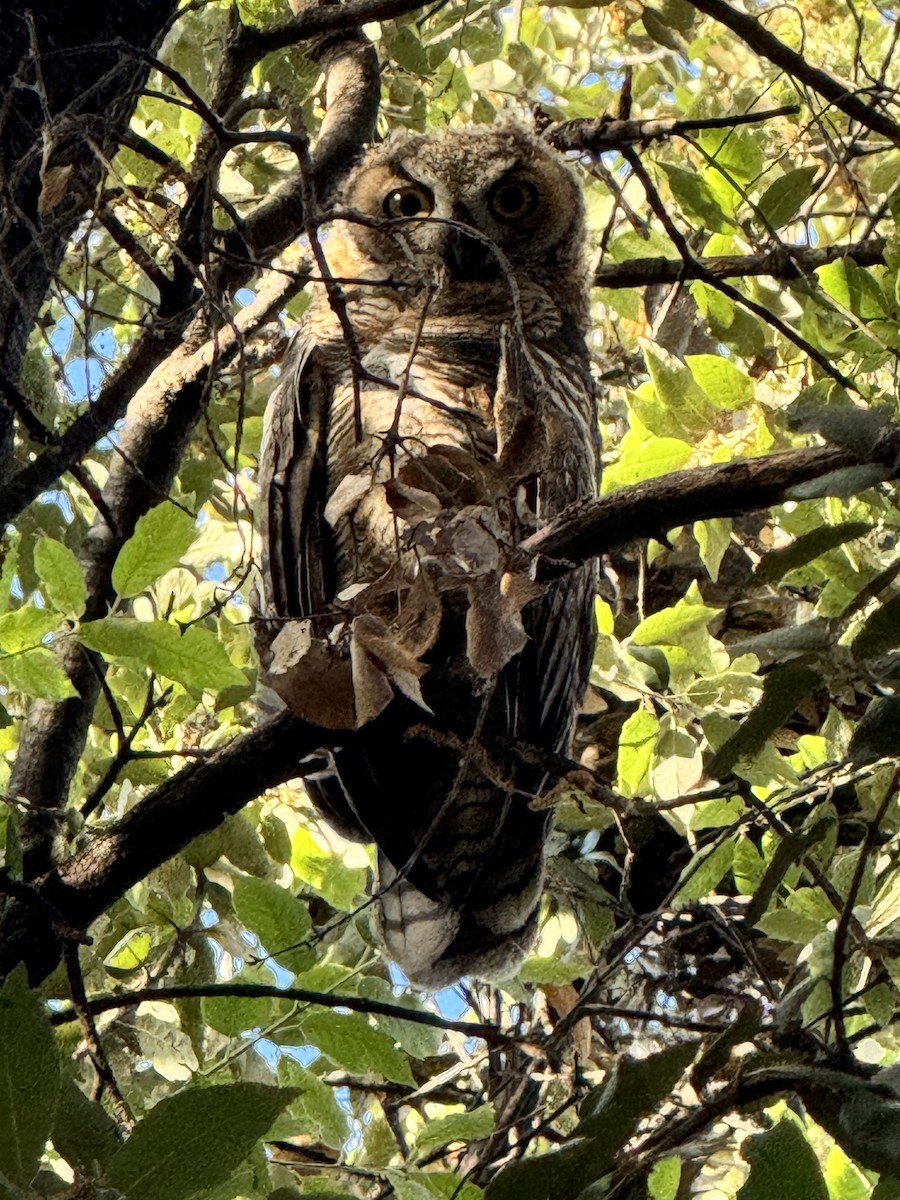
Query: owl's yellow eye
x=410 y=201
x=513 y=199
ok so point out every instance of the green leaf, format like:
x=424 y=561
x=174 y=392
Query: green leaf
x=418 y=1041
x=706 y=872
x=350 y=1041
x=670 y=626
x=61 y=576
x=783 y=690
x=610 y=1115
x=782 y=1164
x=281 y=921
x=694 y=195
x=159 y=540
x=636 y=742
x=37 y=673
x=657 y=28
x=194 y=1140
x=25 y=628
x=680 y=395
x=555 y=970
x=315 y=1110
x=792 y=847
x=408 y=52
x=852 y=287
x=83 y=1133
x=117 y=637
x=725 y=385
x=776 y=564
x=458 y=1127
x=195 y=658
x=713 y=537
x=232 y=1015
x=788 y=926
x=29 y=1080
x=781 y=200
x=645 y=458
x=663 y=1180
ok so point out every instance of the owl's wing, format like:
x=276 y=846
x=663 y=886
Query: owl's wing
x=297 y=557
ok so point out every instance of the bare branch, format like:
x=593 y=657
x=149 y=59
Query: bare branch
x=651 y=508
x=842 y=94
x=609 y=133
x=248 y=991
x=784 y=262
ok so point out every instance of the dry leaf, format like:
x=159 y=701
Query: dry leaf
x=317 y=685
x=494 y=630
x=372 y=690
x=420 y=616
x=54 y=185
x=562 y=999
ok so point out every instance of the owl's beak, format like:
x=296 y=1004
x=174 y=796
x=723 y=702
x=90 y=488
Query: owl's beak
x=470 y=259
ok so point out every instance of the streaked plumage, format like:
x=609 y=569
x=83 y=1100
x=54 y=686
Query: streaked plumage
x=387 y=609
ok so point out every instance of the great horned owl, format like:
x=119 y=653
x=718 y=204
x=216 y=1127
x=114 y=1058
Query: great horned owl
x=435 y=408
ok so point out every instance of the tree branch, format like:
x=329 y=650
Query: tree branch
x=842 y=94
x=781 y=263
x=252 y=991
x=611 y=133
x=651 y=508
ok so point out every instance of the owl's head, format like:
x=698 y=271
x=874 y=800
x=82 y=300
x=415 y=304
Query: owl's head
x=445 y=204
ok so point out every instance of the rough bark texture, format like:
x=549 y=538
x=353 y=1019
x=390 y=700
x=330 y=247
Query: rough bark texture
x=70 y=75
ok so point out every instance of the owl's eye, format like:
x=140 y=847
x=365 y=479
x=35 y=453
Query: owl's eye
x=513 y=199
x=409 y=201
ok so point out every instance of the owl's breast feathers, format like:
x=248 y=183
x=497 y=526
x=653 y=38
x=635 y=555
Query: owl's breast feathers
x=393 y=492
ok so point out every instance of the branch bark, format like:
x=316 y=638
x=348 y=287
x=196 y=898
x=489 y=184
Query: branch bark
x=651 y=508
x=781 y=263
x=66 y=95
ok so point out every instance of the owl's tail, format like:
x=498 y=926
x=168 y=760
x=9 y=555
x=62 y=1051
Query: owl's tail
x=436 y=943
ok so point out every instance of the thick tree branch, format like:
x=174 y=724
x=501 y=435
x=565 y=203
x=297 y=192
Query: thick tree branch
x=780 y=263
x=191 y=802
x=651 y=508
x=276 y=222
x=327 y=18
x=160 y=419
x=63 y=97
x=842 y=94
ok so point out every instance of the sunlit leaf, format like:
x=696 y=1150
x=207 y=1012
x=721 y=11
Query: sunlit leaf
x=61 y=576
x=782 y=198
x=159 y=540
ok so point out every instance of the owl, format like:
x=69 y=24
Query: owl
x=434 y=410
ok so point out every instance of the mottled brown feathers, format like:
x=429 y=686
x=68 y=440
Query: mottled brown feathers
x=399 y=468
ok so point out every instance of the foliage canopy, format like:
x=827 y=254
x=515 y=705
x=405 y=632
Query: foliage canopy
x=195 y=1004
